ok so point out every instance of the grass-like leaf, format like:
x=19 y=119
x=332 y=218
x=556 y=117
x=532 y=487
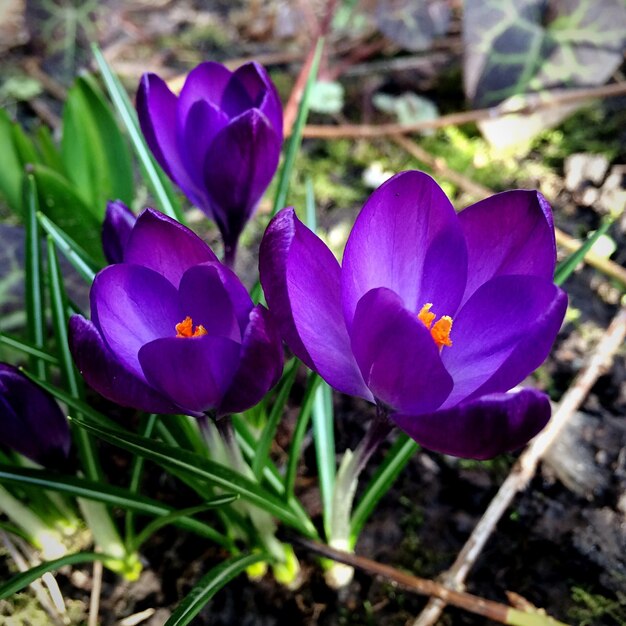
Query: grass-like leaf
x=568 y=265
x=267 y=436
x=209 y=585
x=17 y=583
x=295 y=139
x=396 y=459
x=157 y=181
x=107 y=494
x=298 y=435
x=33 y=271
x=27 y=348
x=172 y=517
x=72 y=251
x=199 y=468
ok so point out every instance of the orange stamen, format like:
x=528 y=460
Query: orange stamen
x=425 y=315
x=440 y=330
x=185 y=329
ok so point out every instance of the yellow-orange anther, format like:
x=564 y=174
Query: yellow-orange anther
x=425 y=315
x=185 y=329
x=440 y=330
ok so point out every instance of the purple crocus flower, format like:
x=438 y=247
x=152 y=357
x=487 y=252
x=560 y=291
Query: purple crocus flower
x=173 y=330
x=219 y=141
x=118 y=223
x=30 y=420
x=432 y=315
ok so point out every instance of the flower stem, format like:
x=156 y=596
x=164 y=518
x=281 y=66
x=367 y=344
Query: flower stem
x=352 y=464
x=42 y=536
x=230 y=254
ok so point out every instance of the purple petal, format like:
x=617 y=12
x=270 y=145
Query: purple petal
x=133 y=305
x=104 y=373
x=260 y=366
x=193 y=372
x=201 y=125
x=261 y=92
x=509 y=233
x=397 y=355
x=493 y=323
x=156 y=108
x=205 y=82
x=205 y=299
x=301 y=281
x=238 y=294
x=531 y=352
x=236 y=183
x=164 y=245
x=31 y=421
x=483 y=428
x=406 y=238
x=116 y=228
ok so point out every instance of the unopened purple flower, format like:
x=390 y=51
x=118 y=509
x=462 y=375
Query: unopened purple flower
x=118 y=223
x=173 y=330
x=219 y=141
x=31 y=421
x=432 y=315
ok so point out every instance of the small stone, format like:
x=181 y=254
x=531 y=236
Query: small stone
x=584 y=168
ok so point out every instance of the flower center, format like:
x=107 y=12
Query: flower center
x=440 y=330
x=185 y=329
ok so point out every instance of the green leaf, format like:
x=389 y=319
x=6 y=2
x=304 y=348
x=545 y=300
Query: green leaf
x=94 y=152
x=267 y=436
x=72 y=251
x=395 y=460
x=25 y=148
x=17 y=583
x=107 y=494
x=412 y=24
x=174 y=516
x=50 y=155
x=209 y=585
x=61 y=203
x=35 y=309
x=157 y=181
x=324 y=440
x=517 y=46
x=12 y=169
x=296 y=134
x=297 y=438
x=568 y=265
x=199 y=468
x=27 y=348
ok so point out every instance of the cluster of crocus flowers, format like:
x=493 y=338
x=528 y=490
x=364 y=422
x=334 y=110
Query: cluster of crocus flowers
x=32 y=422
x=173 y=330
x=433 y=316
x=219 y=141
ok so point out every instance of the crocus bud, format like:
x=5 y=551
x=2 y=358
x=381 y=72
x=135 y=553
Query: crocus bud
x=30 y=420
x=118 y=222
x=219 y=141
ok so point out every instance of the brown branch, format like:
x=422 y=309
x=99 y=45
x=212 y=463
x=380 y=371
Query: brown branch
x=422 y=586
x=533 y=103
x=526 y=465
x=568 y=242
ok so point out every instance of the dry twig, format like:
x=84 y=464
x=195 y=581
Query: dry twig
x=526 y=465
x=473 y=604
x=96 y=590
x=533 y=103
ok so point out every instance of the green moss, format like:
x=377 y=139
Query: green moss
x=590 y=607
x=592 y=129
